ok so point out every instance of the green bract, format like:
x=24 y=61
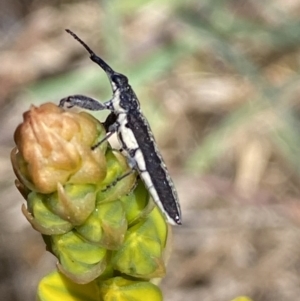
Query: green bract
x=141 y=254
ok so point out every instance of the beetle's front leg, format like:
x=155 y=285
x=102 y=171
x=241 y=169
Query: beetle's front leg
x=82 y=101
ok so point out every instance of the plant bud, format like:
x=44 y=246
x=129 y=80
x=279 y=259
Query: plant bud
x=54 y=146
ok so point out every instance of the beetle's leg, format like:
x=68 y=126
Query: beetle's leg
x=83 y=102
x=123 y=176
x=102 y=140
x=117 y=180
x=135 y=185
x=132 y=164
x=110 y=127
x=109 y=123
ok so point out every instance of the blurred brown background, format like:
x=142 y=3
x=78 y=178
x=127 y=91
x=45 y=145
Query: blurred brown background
x=219 y=82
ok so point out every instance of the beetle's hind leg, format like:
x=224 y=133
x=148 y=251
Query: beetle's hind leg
x=132 y=164
x=117 y=180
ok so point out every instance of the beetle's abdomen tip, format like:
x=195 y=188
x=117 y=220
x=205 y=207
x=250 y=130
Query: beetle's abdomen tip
x=176 y=221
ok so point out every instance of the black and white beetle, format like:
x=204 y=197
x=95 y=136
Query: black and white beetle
x=135 y=136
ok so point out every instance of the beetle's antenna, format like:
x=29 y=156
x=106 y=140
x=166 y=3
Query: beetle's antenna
x=93 y=56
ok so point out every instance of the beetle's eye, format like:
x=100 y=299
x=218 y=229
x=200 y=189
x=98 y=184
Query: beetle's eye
x=119 y=79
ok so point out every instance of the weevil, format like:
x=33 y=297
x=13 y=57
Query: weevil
x=135 y=136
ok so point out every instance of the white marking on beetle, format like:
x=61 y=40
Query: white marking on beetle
x=140 y=160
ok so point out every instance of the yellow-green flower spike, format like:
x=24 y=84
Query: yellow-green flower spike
x=98 y=226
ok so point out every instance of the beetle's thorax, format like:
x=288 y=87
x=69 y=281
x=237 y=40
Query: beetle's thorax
x=115 y=103
x=124 y=100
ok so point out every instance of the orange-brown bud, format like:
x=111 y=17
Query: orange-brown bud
x=54 y=146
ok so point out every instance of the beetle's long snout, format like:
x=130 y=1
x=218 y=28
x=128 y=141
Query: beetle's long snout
x=108 y=70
